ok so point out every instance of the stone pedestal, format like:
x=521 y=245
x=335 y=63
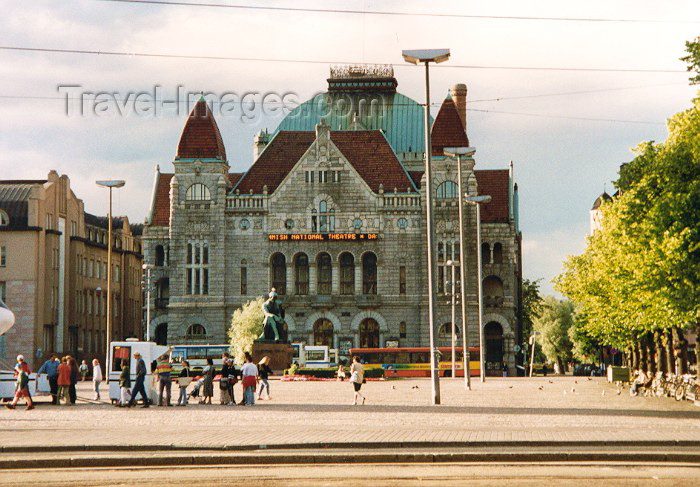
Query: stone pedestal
x=280 y=354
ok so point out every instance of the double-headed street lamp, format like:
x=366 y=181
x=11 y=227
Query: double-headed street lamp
x=478 y=201
x=460 y=152
x=110 y=183
x=427 y=56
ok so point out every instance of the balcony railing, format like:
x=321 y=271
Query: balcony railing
x=401 y=201
x=246 y=202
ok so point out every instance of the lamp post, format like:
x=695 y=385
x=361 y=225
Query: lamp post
x=453 y=264
x=110 y=183
x=460 y=152
x=427 y=56
x=148 y=268
x=478 y=201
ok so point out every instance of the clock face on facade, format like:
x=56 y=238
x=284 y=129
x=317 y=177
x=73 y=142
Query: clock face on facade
x=402 y=223
x=289 y=224
x=357 y=223
x=244 y=224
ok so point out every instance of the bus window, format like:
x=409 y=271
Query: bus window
x=315 y=355
x=419 y=358
x=403 y=358
x=196 y=353
x=120 y=353
x=389 y=358
x=177 y=355
x=216 y=352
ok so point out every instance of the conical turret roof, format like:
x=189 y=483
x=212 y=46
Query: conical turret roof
x=201 y=138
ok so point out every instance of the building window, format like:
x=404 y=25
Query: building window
x=160 y=256
x=196 y=331
x=279 y=273
x=49 y=221
x=3 y=292
x=104 y=270
x=73 y=339
x=447 y=251
x=197 y=267
x=402 y=279
x=369 y=273
x=73 y=229
x=448 y=189
x=323 y=176
x=402 y=329
x=325 y=273
x=493 y=291
x=49 y=341
x=310 y=176
x=485 y=254
x=91 y=268
x=198 y=192
x=369 y=333
x=4 y=219
x=445 y=334
x=347 y=273
x=301 y=274
x=323 y=332
x=289 y=224
x=335 y=176
x=244 y=224
x=244 y=281
x=402 y=223
x=324 y=220
x=3 y=256
x=357 y=223
x=497 y=253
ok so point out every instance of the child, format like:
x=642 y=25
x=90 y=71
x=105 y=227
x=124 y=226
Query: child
x=21 y=389
x=84 y=370
x=124 y=384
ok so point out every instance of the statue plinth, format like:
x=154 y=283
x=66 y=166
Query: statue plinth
x=280 y=353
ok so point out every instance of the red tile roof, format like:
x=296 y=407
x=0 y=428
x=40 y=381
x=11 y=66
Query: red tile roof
x=494 y=182
x=161 y=212
x=367 y=150
x=447 y=130
x=416 y=176
x=201 y=138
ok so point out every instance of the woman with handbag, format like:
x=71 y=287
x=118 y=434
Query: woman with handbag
x=357 y=377
x=250 y=380
x=208 y=386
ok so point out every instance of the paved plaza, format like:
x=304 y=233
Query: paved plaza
x=566 y=410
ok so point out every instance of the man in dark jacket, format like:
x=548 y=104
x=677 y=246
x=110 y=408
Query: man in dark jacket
x=50 y=368
x=139 y=387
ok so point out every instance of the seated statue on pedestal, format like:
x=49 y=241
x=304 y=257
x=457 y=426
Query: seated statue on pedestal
x=274 y=327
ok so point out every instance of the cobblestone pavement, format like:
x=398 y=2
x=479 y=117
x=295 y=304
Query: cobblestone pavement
x=554 y=409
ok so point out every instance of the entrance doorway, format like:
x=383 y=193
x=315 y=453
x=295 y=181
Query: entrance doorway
x=369 y=333
x=493 y=334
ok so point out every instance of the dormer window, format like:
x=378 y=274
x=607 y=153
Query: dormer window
x=198 y=192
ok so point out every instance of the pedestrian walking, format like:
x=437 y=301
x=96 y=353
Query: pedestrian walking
x=124 y=384
x=229 y=378
x=50 y=368
x=357 y=377
x=21 y=387
x=74 y=374
x=64 y=382
x=265 y=372
x=83 y=370
x=250 y=380
x=163 y=369
x=208 y=387
x=139 y=387
x=183 y=381
x=25 y=367
x=96 y=377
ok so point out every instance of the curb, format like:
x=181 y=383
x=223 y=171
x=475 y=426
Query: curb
x=342 y=446
x=164 y=460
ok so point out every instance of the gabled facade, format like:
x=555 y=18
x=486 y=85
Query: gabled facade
x=335 y=221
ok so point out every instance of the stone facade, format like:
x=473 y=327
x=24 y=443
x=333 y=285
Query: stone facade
x=260 y=229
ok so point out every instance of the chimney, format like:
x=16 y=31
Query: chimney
x=459 y=96
x=259 y=143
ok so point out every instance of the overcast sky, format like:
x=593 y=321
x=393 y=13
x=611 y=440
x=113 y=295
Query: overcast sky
x=565 y=145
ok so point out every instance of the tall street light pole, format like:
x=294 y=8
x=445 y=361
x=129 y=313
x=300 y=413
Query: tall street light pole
x=453 y=264
x=111 y=183
x=463 y=152
x=427 y=56
x=478 y=201
x=148 y=268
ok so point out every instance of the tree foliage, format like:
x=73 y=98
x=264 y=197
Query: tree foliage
x=693 y=59
x=553 y=322
x=532 y=305
x=246 y=326
x=641 y=271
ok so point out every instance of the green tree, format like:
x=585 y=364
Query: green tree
x=532 y=305
x=553 y=323
x=246 y=326
x=693 y=59
x=585 y=349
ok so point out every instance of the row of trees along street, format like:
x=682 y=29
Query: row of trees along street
x=635 y=286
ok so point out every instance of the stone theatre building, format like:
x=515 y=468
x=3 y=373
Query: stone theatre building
x=332 y=215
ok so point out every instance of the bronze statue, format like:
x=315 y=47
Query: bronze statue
x=274 y=327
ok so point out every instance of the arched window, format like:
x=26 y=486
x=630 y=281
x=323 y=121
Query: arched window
x=369 y=273
x=301 y=274
x=161 y=334
x=485 y=254
x=323 y=332
x=325 y=273
x=369 y=333
x=197 y=267
x=198 y=192
x=493 y=291
x=324 y=220
x=160 y=256
x=4 y=219
x=279 y=273
x=196 y=331
x=448 y=189
x=347 y=273
x=445 y=331
x=497 y=253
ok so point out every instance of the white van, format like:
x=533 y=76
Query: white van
x=149 y=351
x=314 y=356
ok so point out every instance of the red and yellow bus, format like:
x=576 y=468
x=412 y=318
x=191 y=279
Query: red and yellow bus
x=415 y=361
